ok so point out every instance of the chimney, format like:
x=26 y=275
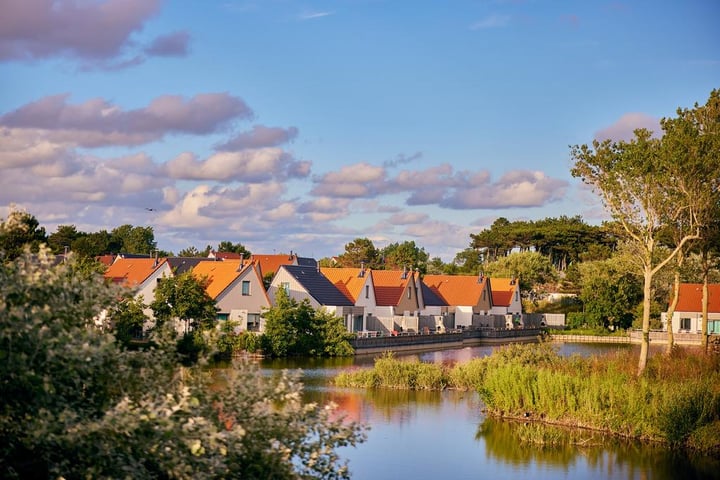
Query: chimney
x=362 y=269
x=512 y=280
x=481 y=277
x=155 y=263
x=404 y=273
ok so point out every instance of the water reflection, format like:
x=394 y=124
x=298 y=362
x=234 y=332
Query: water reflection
x=419 y=435
x=591 y=452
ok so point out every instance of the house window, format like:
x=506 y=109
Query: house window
x=223 y=316
x=367 y=291
x=253 y=322
x=484 y=292
x=246 y=287
x=285 y=286
x=684 y=324
x=409 y=293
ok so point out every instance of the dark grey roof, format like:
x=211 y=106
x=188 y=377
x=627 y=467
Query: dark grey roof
x=318 y=286
x=306 y=262
x=183 y=264
x=430 y=298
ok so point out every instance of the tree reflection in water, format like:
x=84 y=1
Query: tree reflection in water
x=516 y=443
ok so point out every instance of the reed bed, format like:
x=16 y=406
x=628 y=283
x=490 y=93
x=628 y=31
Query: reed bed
x=676 y=400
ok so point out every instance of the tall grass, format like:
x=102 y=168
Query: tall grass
x=676 y=400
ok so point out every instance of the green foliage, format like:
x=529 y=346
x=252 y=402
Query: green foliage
x=360 y=251
x=532 y=268
x=562 y=240
x=294 y=328
x=611 y=303
x=184 y=298
x=139 y=240
x=127 y=320
x=405 y=255
x=18 y=230
x=228 y=246
x=77 y=405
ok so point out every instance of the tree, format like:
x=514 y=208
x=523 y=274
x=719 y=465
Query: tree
x=135 y=239
x=239 y=248
x=190 y=251
x=637 y=188
x=405 y=255
x=18 y=230
x=532 y=268
x=76 y=405
x=692 y=140
x=295 y=328
x=127 y=319
x=63 y=238
x=360 y=251
x=184 y=298
x=468 y=261
x=609 y=300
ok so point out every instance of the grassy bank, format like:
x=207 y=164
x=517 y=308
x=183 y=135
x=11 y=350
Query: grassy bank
x=677 y=399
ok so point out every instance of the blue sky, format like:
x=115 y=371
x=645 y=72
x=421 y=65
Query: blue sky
x=301 y=126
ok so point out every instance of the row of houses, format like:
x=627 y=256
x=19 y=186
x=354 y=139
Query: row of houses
x=369 y=301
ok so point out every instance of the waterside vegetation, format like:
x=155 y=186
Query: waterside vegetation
x=76 y=403
x=676 y=400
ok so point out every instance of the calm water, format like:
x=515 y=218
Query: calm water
x=445 y=435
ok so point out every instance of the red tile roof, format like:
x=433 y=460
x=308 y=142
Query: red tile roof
x=132 y=271
x=347 y=280
x=690 y=298
x=389 y=286
x=272 y=263
x=456 y=290
x=503 y=290
x=219 y=274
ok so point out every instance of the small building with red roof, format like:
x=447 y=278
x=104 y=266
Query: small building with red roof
x=688 y=312
x=505 y=296
x=462 y=295
x=238 y=291
x=357 y=285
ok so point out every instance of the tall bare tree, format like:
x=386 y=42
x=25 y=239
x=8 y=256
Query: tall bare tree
x=638 y=188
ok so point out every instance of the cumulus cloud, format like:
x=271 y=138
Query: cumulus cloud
x=351 y=181
x=97 y=122
x=171 y=45
x=253 y=166
x=624 y=127
x=408 y=218
x=260 y=137
x=91 y=31
x=442 y=186
x=85 y=179
x=519 y=188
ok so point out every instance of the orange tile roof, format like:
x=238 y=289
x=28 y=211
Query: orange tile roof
x=131 y=272
x=272 y=263
x=389 y=286
x=106 y=260
x=456 y=290
x=347 y=280
x=219 y=274
x=503 y=290
x=690 y=298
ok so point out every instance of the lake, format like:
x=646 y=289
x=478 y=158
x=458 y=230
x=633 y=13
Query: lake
x=428 y=435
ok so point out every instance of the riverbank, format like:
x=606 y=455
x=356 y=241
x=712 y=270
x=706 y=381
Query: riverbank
x=633 y=337
x=434 y=341
x=675 y=402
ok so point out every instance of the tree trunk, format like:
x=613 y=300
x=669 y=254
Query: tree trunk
x=704 y=328
x=671 y=311
x=645 y=344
